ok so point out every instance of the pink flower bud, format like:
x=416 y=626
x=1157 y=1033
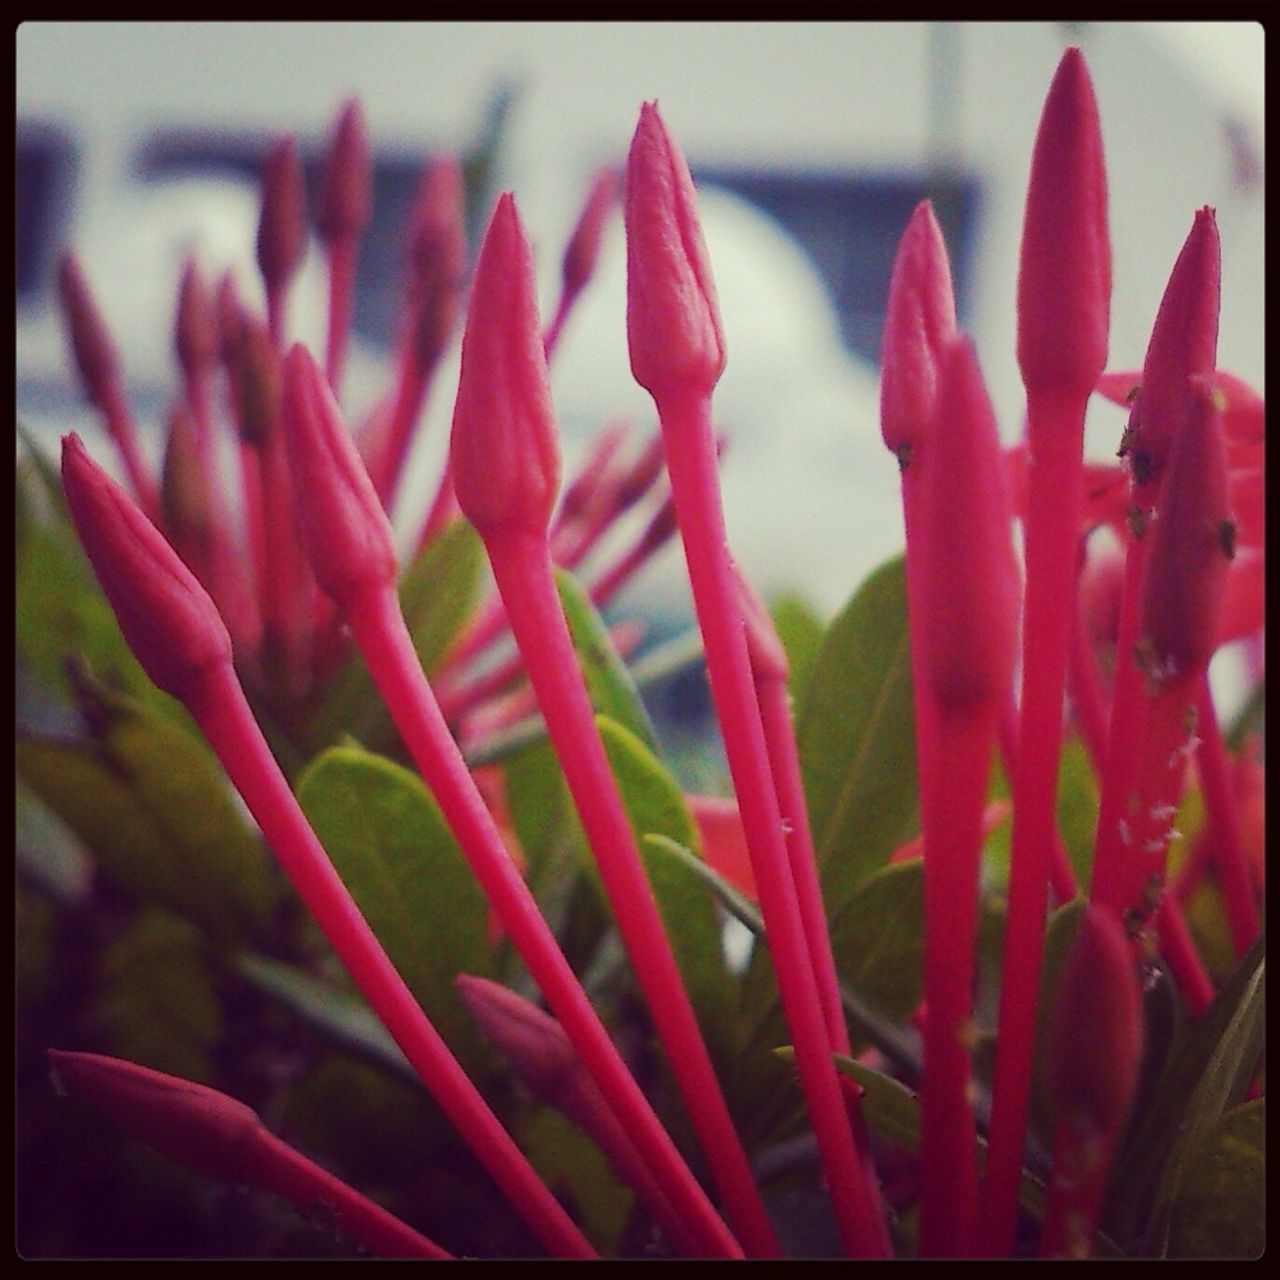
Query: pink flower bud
x=344 y=528
x=184 y=497
x=1184 y=342
x=95 y=353
x=204 y=1129
x=1064 y=273
x=1096 y=1026
x=347 y=184
x=282 y=223
x=920 y=318
x=583 y=250
x=438 y=259
x=256 y=364
x=1192 y=544
x=506 y=463
x=167 y=617
x=673 y=321
x=195 y=333
x=969 y=581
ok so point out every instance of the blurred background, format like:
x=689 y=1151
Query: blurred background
x=810 y=143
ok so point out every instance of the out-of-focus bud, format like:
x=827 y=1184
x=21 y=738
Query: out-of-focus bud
x=344 y=528
x=347 y=185
x=437 y=257
x=506 y=463
x=184 y=499
x=673 y=319
x=282 y=223
x=1064 y=273
x=195 y=330
x=583 y=250
x=257 y=380
x=167 y=617
x=95 y=353
x=920 y=318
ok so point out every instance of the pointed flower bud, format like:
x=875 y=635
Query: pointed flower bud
x=673 y=320
x=1192 y=544
x=167 y=617
x=95 y=353
x=583 y=250
x=1064 y=274
x=184 y=497
x=1096 y=1026
x=506 y=463
x=438 y=258
x=201 y=1127
x=969 y=588
x=344 y=528
x=920 y=319
x=257 y=380
x=282 y=222
x=347 y=185
x=1184 y=344
x=195 y=332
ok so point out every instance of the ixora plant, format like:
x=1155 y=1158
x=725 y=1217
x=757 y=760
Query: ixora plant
x=1002 y=875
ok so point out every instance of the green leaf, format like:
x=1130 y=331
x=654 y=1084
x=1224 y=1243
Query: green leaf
x=609 y=684
x=1227 y=1072
x=157 y=1002
x=348 y=1023
x=856 y=737
x=400 y=861
x=801 y=630
x=150 y=802
x=1221 y=1211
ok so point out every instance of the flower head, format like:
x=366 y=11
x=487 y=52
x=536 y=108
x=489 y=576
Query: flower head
x=282 y=223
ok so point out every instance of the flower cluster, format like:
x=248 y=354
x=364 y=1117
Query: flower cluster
x=934 y=1049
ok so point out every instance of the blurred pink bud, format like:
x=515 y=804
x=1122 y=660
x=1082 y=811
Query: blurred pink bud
x=95 y=353
x=204 y=1129
x=167 y=617
x=506 y=463
x=1184 y=343
x=184 y=497
x=969 y=581
x=344 y=528
x=1096 y=1026
x=347 y=183
x=583 y=250
x=438 y=258
x=1192 y=544
x=920 y=318
x=1064 y=273
x=282 y=223
x=195 y=333
x=673 y=320
x=256 y=365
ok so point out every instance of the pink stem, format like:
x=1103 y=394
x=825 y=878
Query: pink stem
x=1179 y=951
x=521 y=565
x=691 y=461
x=343 y=251
x=120 y=426
x=223 y=714
x=1088 y=696
x=380 y=632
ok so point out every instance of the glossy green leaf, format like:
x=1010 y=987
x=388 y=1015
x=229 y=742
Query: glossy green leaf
x=156 y=1001
x=1220 y=1212
x=801 y=631
x=856 y=738
x=396 y=855
x=148 y=799
x=609 y=684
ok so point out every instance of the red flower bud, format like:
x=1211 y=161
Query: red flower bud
x=167 y=617
x=95 y=353
x=204 y=1129
x=438 y=258
x=256 y=365
x=1184 y=343
x=920 y=318
x=1096 y=1026
x=969 y=582
x=1192 y=544
x=673 y=321
x=347 y=184
x=583 y=250
x=184 y=497
x=344 y=528
x=282 y=223
x=1064 y=273
x=195 y=333
x=506 y=463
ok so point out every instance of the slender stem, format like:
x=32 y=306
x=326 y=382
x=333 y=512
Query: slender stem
x=411 y=393
x=522 y=567
x=343 y=251
x=278 y=313
x=691 y=462
x=381 y=634
x=1179 y=951
x=224 y=716
x=953 y=801
x=289 y=1173
x=1052 y=542
x=1088 y=695
x=1229 y=860
x=120 y=426
x=444 y=507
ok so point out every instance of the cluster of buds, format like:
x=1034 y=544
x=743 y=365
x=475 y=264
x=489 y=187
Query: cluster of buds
x=262 y=618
